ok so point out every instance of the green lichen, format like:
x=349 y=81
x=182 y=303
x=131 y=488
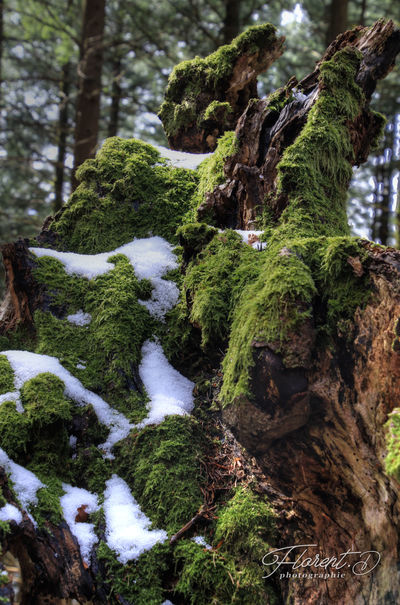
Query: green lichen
x=192 y=78
x=6 y=375
x=392 y=459
x=127 y=191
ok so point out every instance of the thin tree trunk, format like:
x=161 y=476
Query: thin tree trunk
x=1 y=48
x=337 y=19
x=116 y=95
x=88 y=102
x=231 y=25
x=363 y=11
x=62 y=136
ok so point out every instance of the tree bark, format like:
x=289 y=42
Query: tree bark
x=337 y=19
x=116 y=95
x=311 y=431
x=90 y=68
x=231 y=25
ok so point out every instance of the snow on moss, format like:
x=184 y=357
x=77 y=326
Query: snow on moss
x=80 y=318
x=150 y=257
x=25 y=483
x=9 y=512
x=169 y=391
x=27 y=365
x=75 y=500
x=181 y=159
x=127 y=527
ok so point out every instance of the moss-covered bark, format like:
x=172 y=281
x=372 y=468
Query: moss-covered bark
x=289 y=344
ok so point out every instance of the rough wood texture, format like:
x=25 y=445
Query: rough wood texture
x=264 y=133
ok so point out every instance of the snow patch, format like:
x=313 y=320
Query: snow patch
x=181 y=159
x=25 y=482
x=80 y=318
x=27 y=365
x=201 y=541
x=150 y=257
x=245 y=235
x=13 y=396
x=9 y=512
x=127 y=526
x=73 y=499
x=169 y=391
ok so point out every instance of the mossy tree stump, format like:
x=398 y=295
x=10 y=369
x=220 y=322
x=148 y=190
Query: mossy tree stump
x=297 y=343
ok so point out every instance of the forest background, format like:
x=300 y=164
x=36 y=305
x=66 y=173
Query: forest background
x=73 y=72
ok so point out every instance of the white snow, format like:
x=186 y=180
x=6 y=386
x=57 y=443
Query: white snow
x=181 y=159
x=74 y=498
x=25 y=482
x=13 y=396
x=201 y=541
x=169 y=391
x=80 y=318
x=27 y=365
x=9 y=512
x=80 y=366
x=151 y=258
x=245 y=237
x=127 y=526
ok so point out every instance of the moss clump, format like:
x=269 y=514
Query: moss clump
x=306 y=257
x=218 y=111
x=6 y=375
x=14 y=430
x=193 y=237
x=211 y=170
x=109 y=347
x=208 y=576
x=127 y=191
x=192 y=78
x=392 y=460
x=245 y=525
x=140 y=582
x=214 y=283
x=315 y=171
x=161 y=464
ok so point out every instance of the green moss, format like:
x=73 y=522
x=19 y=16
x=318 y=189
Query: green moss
x=6 y=375
x=14 y=430
x=127 y=191
x=217 y=110
x=162 y=466
x=392 y=459
x=211 y=170
x=139 y=582
x=214 y=283
x=245 y=525
x=44 y=402
x=212 y=74
x=48 y=507
x=306 y=258
x=110 y=345
x=214 y=577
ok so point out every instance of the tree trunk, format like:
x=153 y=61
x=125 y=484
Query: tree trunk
x=309 y=381
x=231 y=25
x=62 y=137
x=90 y=68
x=116 y=95
x=337 y=19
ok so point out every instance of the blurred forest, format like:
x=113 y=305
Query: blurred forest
x=73 y=72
